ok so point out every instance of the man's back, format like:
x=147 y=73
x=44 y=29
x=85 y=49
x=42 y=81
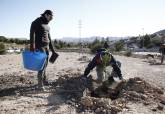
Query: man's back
x=41 y=29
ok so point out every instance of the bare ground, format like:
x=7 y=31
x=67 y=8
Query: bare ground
x=18 y=92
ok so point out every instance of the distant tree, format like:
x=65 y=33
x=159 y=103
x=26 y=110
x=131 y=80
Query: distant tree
x=119 y=45
x=11 y=40
x=55 y=41
x=2 y=48
x=96 y=41
x=95 y=45
x=102 y=40
x=17 y=41
x=147 y=41
x=3 y=39
x=107 y=39
x=141 y=42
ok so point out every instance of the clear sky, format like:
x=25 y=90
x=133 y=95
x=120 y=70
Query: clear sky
x=98 y=17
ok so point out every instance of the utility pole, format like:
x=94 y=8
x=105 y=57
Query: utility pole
x=143 y=36
x=79 y=27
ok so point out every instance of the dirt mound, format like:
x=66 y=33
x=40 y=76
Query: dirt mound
x=137 y=89
x=134 y=90
x=72 y=87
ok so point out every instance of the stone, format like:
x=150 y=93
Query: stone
x=86 y=101
x=160 y=107
x=162 y=99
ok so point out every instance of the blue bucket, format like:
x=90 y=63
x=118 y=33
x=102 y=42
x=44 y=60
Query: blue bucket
x=33 y=60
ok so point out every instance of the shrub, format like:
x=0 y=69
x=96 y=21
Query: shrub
x=2 y=48
x=128 y=53
x=119 y=45
x=95 y=47
x=57 y=46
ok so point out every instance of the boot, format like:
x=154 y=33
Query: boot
x=45 y=81
x=40 y=82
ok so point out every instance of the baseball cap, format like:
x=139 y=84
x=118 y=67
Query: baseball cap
x=47 y=12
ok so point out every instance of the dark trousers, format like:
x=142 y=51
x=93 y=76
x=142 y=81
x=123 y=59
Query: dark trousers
x=42 y=73
x=162 y=58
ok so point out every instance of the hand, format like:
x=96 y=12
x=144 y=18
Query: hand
x=121 y=78
x=55 y=54
x=83 y=77
x=32 y=47
x=84 y=80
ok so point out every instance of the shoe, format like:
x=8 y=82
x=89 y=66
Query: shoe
x=46 y=83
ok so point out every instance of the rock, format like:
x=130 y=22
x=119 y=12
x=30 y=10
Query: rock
x=160 y=107
x=22 y=79
x=86 y=101
x=162 y=99
x=134 y=94
x=60 y=80
x=97 y=110
x=146 y=103
x=73 y=100
x=69 y=102
x=154 y=109
x=76 y=105
x=143 y=96
x=115 y=108
x=157 y=90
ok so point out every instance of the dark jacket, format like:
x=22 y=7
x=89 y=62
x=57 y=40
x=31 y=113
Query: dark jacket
x=39 y=34
x=162 y=48
x=97 y=61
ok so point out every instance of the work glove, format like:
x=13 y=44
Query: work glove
x=84 y=79
x=121 y=78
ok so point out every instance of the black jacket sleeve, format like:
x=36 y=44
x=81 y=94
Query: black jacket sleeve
x=50 y=44
x=116 y=68
x=90 y=66
x=32 y=32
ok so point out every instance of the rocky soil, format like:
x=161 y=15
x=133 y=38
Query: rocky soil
x=142 y=91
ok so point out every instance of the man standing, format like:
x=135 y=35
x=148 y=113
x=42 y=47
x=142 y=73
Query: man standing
x=162 y=50
x=40 y=40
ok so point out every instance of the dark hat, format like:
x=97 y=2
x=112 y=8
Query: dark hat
x=47 y=12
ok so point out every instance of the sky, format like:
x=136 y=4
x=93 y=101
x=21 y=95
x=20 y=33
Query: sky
x=84 y=18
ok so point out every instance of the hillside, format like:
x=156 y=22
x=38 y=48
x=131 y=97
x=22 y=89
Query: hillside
x=160 y=32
